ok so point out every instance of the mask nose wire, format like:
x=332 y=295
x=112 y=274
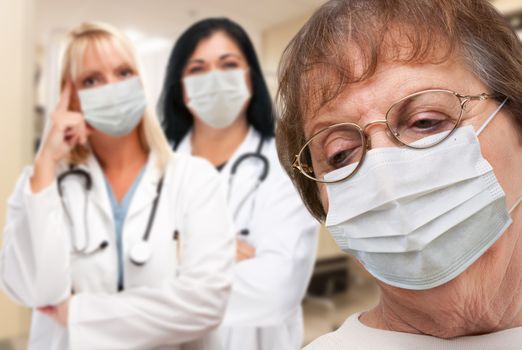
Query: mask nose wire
x=490 y=118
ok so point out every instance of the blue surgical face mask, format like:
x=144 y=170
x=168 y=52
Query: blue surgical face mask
x=114 y=109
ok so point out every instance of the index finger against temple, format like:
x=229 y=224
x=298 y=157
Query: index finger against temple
x=65 y=96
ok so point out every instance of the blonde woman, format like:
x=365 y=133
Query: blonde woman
x=116 y=242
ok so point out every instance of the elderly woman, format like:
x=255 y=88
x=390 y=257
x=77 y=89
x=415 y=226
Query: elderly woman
x=401 y=128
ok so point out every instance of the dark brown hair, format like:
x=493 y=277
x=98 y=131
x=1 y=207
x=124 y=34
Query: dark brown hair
x=320 y=60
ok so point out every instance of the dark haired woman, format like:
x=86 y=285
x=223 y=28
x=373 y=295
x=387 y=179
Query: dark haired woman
x=216 y=105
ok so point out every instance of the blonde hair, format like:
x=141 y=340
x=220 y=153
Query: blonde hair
x=102 y=36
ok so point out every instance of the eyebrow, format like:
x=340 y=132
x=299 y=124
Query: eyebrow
x=221 y=58
x=196 y=60
x=227 y=55
x=87 y=73
x=328 y=119
x=320 y=121
x=125 y=65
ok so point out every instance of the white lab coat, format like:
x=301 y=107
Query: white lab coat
x=166 y=302
x=264 y=311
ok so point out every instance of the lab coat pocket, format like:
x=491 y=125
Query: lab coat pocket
x=93 y=271
x=94 y=266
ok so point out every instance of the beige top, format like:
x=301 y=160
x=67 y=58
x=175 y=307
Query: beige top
x=353 y=335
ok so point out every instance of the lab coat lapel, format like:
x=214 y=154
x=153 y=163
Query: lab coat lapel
x=99 y=191
x=248 y=145
x=147 y=188
x=246 y=174
x=241 y=184
x=185 y=146
x=144 y=195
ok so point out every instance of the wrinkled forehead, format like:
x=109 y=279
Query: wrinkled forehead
x=337 y=69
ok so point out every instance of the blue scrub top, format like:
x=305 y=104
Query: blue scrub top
x=119 y=212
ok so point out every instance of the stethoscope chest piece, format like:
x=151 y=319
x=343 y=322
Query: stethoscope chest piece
x=140 y=253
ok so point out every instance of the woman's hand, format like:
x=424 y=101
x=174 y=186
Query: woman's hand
x=68 y=129
x=244 y=250
x=59 y=313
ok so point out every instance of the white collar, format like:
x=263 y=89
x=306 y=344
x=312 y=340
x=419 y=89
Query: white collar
x=249 y=144
x=145 y=193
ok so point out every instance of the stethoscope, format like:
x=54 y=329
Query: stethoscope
x=257 y=155
x=141 y=252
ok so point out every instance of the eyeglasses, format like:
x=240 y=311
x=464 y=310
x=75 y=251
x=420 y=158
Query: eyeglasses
x=419 y=121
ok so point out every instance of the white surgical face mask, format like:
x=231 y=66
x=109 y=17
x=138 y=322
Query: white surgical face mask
x=218 y=96
x=116 y=108
x=418 y=218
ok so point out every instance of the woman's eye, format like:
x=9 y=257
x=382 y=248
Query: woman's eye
x=340 y=149
x=89 y=81
x=339 y=159
x=342 y=155
x=429 y=122
x=425 y=123
x=126 y=72
x=195 y=70
x=230 y=65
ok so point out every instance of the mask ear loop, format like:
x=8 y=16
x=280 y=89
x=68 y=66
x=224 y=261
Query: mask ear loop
x=490 y=118
x=519 y=200
x=516 y=204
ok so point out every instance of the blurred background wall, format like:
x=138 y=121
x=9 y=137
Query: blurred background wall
x=17 y=64
x=31 y=33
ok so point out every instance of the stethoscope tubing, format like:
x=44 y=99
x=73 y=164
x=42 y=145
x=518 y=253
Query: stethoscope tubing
x=260 y=179
x=233 y=170
x=88 y=187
